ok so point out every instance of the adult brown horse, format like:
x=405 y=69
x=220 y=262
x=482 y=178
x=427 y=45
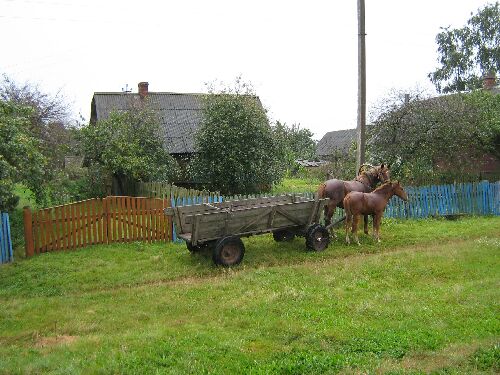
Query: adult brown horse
x=367 y=179
x=374 y=203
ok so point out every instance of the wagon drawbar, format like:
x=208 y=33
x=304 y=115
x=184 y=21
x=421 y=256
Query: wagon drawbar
x=220 y=226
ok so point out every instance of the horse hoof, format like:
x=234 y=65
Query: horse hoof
x=358 y=243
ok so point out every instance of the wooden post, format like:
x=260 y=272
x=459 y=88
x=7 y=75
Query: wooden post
x=360 y=157
x=28 y=232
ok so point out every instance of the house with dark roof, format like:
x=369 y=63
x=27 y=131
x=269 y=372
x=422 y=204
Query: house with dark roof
x=180 y=114
x=335 y=142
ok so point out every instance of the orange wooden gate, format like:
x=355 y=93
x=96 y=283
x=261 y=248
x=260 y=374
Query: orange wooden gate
x=96 y=221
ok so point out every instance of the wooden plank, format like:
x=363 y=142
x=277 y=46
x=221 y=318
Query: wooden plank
x=147 y=221
x=63 y=233
x=130 y=224
x=36 y=232
x=69 y=225
x=138 y=219
x=152 y=209
x=154 y=206
x=167 y=224
x=84 y=226
x=118 y=221
x=74 y=223
x=45 y=232
x=112 y=222
x=105 y=220
x=55 y=227
x=79 y=223
x=94 y=221
x=133 y=217
x=158 y=215
x=100 y=205
x=164 y=220
x=124 y=218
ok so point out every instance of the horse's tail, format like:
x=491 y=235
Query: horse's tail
x=321 y=193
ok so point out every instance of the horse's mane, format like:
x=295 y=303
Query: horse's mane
x=383 y=186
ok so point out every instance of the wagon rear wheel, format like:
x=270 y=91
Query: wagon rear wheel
x=317 y=237
x=283 y=235
x=229 y=251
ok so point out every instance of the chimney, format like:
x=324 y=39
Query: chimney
x=489 y=80
x=143 y=89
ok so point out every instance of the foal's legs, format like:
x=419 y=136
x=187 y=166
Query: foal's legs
x=348 y=219
x=377 y=219
x=355 y=222
x=365 y=219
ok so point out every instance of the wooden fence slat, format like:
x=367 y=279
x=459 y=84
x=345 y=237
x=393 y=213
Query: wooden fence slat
x=74 y=225
x=67 y=209
x=93 y=221
x=124 y=218
x=35 y=232
x=133 y=218
x=55 y=227
x=84 y=227
x=146 y=216
x=154 y=215
x=64 y=238
x=105 y=220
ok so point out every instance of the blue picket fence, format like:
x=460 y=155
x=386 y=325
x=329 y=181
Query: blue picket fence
x=481 y=198
x=6 y=254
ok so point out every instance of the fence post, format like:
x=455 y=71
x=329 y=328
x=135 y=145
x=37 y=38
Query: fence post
x=28 y=232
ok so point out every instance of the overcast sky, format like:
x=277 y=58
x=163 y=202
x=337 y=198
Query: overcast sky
x=300 y=56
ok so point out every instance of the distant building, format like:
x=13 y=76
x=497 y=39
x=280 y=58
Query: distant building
x=335 y=142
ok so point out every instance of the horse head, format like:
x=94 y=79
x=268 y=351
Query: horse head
x=383 y=173
x=374 y=174
x=399 y=191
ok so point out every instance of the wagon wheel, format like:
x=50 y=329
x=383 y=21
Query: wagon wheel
x=228 y=251
x=317 y=237
x=283 y=235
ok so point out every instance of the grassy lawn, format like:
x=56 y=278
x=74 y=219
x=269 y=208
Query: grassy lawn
x=424 y=300
x=297 y=185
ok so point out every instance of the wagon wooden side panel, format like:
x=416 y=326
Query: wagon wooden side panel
x=209 y=224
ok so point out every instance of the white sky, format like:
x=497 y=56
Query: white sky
x=300 y=56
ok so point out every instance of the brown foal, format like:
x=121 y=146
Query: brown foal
x=356 y=204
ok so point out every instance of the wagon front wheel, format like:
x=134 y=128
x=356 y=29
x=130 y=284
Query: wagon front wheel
x=317 y=238
x=229 y=251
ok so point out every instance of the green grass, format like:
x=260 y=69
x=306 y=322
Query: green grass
x=424 y=300
x=296 y=185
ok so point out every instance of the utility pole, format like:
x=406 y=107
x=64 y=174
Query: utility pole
x=360 y=155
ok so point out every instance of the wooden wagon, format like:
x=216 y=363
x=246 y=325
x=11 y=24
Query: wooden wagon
x=220 y=226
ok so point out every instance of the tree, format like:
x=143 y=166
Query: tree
x=424 y=137
x=20 y=158
x=467 y=53
x=297 y=143
x=236 y=150
x=48 y=121
x=128 y=144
